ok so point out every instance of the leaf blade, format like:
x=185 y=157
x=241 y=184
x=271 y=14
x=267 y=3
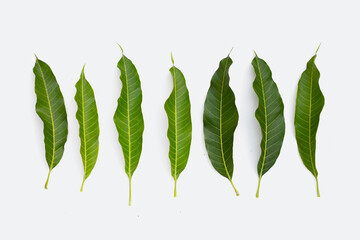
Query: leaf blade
x=270 y=115
x=177 y=108
x=128 y=117
x=309 y=104
x=87 y=116
x=50 y=107
x=220 y=120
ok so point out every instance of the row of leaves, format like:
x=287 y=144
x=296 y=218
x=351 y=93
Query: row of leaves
x=220 y=118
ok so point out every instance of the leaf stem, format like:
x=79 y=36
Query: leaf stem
x=236 y=191
x=82 y=185
x=317 y=187
x=47 y=180
x=175 y=189
x=258 y=189
x=129 y=191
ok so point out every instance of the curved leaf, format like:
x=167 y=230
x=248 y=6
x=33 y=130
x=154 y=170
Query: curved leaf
x=177 y=108
x=309 y=104
x=270 y=114
x=220 y=121
x=128 y=117
x=88 y=119
x=51 y=109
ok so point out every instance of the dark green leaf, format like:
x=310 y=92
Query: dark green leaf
x=177 y=108
x=51 y=109
x=220 y=121
x=88 y=119
x=309 y=104
x=270 y=116
x=128 y=117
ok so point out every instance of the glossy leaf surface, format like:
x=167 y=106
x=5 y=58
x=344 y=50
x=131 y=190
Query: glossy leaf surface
x=270 y=114
x=88 y=119
x=309 y=104
x=177 y=108
x=128 y=117
x=51 y=109
x=220 y=121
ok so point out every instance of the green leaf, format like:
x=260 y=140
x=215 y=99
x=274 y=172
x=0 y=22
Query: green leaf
x=177 y=108
x=88 y=119
x=270 y=114
x=51 y=109
x=309 y=104
x=220 y=121
x=128 y=117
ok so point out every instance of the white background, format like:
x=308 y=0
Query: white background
x=285 y=34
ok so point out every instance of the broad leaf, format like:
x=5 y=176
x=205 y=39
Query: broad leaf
x=128 y=117
x=51 y=109
x=270 y=116
x=220 y=121
x=177 y=108
x=309 y=104
x=87 y=117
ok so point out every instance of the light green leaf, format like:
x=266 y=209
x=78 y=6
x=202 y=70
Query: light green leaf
x=309 y=104
x=51 y=109
x=128 y=117
x=88 y=119
x=270 y=114
x=177 y=108
x=220 y=121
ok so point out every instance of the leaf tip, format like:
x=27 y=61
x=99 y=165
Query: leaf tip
x=230 y=51
x=172 y=59
x=83 y=69
x=255 y=53
x=317 y=49
x=122 y=50
x=36 y=57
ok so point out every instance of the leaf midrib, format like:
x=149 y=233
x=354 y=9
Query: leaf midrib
x=310 y=150
x=176 y=137
x=265 y=114
x=83 y=113
x=128 y=116
x=51 y=115
x=220 y=130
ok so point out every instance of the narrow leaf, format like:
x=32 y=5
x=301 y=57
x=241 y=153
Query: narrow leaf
x=51 y=109
x=309 y=104
x=270 y=114
x=128 y=117
x=220 y=121
x=88 y=119
x=177 y=108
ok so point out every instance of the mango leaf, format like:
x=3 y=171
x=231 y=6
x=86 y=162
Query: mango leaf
x=177 y=108
x=270 y=114
x=128 y=117
x=309 y=104
x=220 y=121
x=88 y=119
x=51 y=109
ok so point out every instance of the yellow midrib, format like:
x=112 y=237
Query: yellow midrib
x=128 y=115
x=221 y=141
x=51 y=115
x=311 y=79
x=265 y=114
x=83 y=113
x=175 y=124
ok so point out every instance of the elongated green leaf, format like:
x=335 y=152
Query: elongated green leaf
x=128 y=117
x=177 y=108
x=309 y=104
x=51 y=109
x=220 y=121
x=88 y=119
x=270 y=116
